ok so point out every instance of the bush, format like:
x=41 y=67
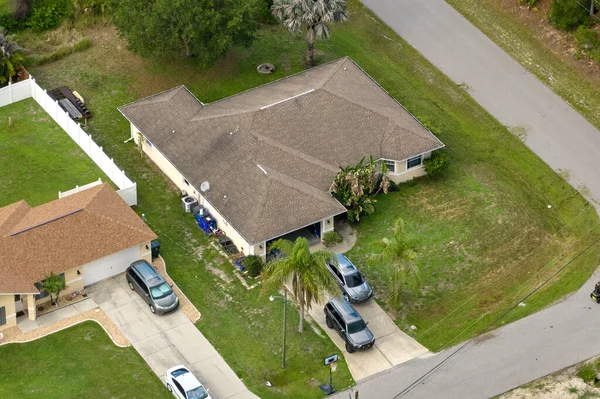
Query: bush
x=48 y=14
x=393 y=186
x=436 y=164
x=254 y=265
x=529 y=3
x=568 y=14
x=588 y=41
x=331 y=238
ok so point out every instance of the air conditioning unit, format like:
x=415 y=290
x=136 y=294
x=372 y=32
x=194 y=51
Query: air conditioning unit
x=189 y=203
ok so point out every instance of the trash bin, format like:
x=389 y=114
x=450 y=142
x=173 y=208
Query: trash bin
x=155 y=245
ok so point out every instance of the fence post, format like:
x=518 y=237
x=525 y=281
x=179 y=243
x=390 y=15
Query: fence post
x=33 y=88
x=10 y=92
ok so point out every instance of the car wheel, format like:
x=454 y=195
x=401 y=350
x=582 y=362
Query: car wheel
x=350 y=348
x=152 y=309
x=169 y=387
x=130 y=285
x=328 y=321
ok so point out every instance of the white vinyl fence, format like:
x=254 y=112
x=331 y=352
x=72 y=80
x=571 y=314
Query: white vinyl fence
x=29 y=88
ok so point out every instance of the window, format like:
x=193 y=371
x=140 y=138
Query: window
x=416 y=161
x=186 y=182
x=17 y=298
x=2 y=315
x=40 y=286
x=179 y=388
x=391 y=165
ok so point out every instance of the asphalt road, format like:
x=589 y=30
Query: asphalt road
x=559 y=336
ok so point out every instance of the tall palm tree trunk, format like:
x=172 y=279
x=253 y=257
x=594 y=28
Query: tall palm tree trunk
x=310 y=47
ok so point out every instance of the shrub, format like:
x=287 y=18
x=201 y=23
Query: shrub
x=568 y=14
x=47 y=14
x=588 y=41
x=529 y=3
x=436 y=164
x=393 y=186
x=331 y=238
x=254 y=265
x=60 y=53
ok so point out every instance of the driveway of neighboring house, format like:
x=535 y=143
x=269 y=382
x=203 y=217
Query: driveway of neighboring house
x=392 y=346
x=168 y=340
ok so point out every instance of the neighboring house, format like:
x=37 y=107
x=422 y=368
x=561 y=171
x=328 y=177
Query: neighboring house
x=270 y=154
x=87 y=237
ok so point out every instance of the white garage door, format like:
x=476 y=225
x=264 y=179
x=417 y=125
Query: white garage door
x=109 y=265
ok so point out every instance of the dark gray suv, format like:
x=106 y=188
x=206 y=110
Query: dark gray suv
x=342 y=317
x=143 y=278
x=352 y=283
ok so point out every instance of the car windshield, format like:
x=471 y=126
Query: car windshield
x=160 y=291
x=354 y=280
x=356 y=326
x=197 y=393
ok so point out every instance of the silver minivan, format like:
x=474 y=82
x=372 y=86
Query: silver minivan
x=143 y=278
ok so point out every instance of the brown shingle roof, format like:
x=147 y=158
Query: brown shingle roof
x=64 y=234
x=299 y=130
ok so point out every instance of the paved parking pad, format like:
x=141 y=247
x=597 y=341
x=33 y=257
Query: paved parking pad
x=168 y=340
x=392 y=346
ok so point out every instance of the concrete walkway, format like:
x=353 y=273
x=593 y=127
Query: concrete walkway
x=168 y=340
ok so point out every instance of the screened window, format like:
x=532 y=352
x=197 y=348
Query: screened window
x=391 y=166
x=2 y=315
x=412 y=162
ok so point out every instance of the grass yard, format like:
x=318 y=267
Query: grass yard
x=478 y=224
x=79 y=362
x=548 y=54
x=37 y=158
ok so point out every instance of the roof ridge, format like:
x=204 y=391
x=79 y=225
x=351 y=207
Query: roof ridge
x=277 y=80
x=154 y=95
x=292 y=151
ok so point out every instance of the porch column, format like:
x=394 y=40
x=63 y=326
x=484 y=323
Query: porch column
x=259 y=250
x=31 y=308
x=326 y=226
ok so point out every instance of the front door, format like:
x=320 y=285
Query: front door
x=18 y=304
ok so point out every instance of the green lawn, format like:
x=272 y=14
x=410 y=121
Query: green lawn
x=79 y=362
x=37 y=158
x=495 y=190
x=577 y=84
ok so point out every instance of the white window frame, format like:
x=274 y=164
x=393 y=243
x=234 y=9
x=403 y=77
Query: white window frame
x=420 y=157
x=390 y=164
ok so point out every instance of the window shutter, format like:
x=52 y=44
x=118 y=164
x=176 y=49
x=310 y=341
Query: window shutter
x=2 y=315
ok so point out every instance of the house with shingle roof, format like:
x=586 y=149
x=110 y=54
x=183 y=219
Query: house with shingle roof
x=87 y=237
x=270 y=154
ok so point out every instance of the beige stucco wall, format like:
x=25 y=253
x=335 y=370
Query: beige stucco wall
x=146 y=251
x=8 y=301
x=176 y=177
x=401 y=174
x=73 y=281
x=326 y=227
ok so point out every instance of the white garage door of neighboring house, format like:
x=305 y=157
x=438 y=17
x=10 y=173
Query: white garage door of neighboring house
x=109 y=265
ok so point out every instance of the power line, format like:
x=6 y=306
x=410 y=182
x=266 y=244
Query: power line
x=422 y=379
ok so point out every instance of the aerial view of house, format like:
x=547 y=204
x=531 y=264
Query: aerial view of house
x=270 y=154
x=244 y=199
x=86 y=237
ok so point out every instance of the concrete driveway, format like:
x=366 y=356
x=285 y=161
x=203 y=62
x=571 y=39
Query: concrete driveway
x=166 y=341
x=392 y=346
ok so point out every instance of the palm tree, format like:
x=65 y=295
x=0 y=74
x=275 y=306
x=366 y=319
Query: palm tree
x=315 y=14
x=10 y=57
x=54 y=284
x=308 y=272
x=399 y=250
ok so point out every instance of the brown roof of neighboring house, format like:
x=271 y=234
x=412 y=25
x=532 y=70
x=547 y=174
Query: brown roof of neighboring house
x=64 y=234
x=271 y=153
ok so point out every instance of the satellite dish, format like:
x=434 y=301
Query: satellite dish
x=204 y=187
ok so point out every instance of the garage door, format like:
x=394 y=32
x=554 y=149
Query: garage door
x=109 y=265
